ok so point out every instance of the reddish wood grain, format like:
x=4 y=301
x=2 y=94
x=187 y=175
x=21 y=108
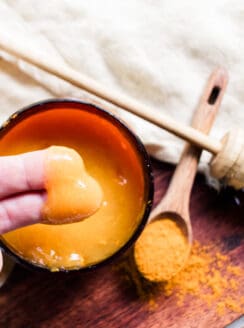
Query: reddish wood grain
x=103 y=299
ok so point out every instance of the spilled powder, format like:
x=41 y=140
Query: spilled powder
x=208 y=275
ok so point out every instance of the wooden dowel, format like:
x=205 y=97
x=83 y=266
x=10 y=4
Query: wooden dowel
x=79 y=80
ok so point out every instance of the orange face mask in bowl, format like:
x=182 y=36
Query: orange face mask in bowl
x=111 y=160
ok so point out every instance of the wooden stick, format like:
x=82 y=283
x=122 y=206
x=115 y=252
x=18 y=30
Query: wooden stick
x=163 y=121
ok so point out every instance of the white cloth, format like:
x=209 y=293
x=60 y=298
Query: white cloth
x=159 y=52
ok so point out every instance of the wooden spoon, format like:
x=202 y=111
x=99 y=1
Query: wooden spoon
x=175 y=204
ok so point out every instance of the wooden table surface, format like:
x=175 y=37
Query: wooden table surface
x=104 y=299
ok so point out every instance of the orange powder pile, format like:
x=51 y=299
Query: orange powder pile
x=161 y=250
x=208 y=275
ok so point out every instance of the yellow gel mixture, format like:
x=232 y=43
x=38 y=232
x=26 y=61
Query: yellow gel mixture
x=110 y=159
x=72 y=194
x=161 y=250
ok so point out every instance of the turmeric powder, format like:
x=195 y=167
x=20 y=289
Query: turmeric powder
x=208 y=276
x=161 y=250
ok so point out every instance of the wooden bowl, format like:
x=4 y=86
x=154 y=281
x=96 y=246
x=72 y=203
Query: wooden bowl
x=116 y=158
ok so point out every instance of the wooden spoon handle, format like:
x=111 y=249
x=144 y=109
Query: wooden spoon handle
x=81 y=81
x=178 y=194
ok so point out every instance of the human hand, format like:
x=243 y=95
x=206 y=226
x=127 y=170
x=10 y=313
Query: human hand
x=22 y=192
x=47 y=186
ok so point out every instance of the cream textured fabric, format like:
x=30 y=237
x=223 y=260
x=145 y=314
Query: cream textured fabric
x=159 y=52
